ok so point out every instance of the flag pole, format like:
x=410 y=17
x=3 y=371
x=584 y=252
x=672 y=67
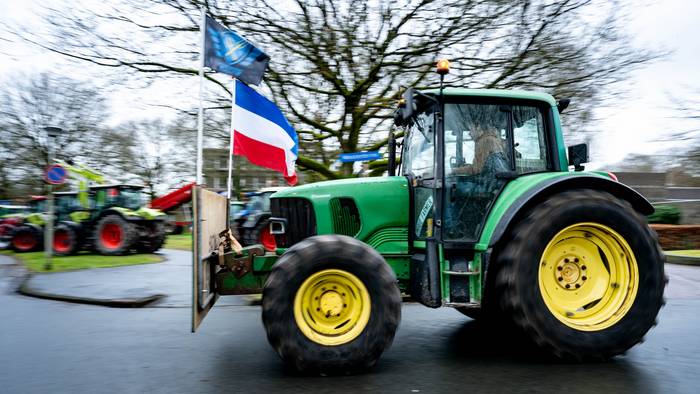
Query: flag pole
x=200 y=117
x=231 y=146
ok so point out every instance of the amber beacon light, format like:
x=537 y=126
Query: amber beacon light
x=443 y=66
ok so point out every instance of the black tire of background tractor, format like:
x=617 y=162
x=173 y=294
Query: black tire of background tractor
x=253 y=236
x=6 y=230
x=24 y=233
x=177 y=229
x=129 y=231
x=68 y=238
x=296 y=265
x=154 y=241
x=519 y=260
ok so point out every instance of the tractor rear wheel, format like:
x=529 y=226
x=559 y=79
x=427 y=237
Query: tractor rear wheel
x=261 y=235
x=65 y=240
x=6 y=231
x=26 y=238
x=331 y=305
x=155 y=238
x=582 y=275
x=114 y=235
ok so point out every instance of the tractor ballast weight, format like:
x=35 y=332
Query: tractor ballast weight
x=485 y=216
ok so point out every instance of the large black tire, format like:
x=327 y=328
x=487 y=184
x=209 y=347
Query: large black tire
x=114 y=235
x=65 y=240
x=307 y=258
x=27 y=238
x=155 y=238
x=517 y=282
x=260 y=235
x=6 y=231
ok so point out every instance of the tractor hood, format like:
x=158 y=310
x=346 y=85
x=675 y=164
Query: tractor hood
x=379 y=202
x=141 y=213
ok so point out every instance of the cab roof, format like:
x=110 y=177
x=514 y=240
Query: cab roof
x=495 y=93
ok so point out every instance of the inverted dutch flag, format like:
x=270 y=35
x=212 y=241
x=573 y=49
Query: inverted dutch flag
x=262 y=133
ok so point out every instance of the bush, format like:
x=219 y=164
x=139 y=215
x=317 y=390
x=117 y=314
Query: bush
x=665 y=214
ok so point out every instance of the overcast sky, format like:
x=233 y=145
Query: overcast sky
x=639 y=124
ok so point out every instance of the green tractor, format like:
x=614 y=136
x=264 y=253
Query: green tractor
x=28 y=236
x=486 y=216
x=26 y=233
x=117 y=222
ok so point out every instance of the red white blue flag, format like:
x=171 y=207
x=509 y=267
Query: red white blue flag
x=262 y=133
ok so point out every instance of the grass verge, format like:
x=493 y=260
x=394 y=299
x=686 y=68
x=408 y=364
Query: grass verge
x=689 y=253
x=179 y=242
x=35 y=261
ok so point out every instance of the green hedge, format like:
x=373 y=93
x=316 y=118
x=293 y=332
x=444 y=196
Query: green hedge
x=665 y=214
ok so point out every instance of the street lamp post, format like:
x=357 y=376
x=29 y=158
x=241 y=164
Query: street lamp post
x=51 y=134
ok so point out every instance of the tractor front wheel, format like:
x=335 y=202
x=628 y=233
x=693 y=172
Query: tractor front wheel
x=65 y=240
x=26 y=238
x=582 y=274
x=115 y=235
x=331 y=305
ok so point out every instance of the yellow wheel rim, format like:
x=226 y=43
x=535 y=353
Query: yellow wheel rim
x=332 y=307
x=588 y=276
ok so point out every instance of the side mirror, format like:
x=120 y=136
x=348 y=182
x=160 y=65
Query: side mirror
x=391 y=163
x=409 y=104
x=563 y=104
x=578 y=154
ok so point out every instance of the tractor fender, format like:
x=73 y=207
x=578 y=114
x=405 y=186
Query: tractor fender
x=121 y=213
x=73 y=225
x=36 y=227
x=547 y=188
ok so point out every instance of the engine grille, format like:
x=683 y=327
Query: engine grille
x=346 y=217
x=301 y=220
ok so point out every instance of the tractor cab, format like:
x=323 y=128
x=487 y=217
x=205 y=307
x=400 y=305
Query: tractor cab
x=37 y=204
x=67 y=205
x=119 y=195
x=463 y=146
x=12 y=211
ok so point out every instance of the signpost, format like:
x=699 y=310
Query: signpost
x=55 y=175
x=360 y=156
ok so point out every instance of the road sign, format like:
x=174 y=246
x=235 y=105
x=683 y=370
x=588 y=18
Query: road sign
x=360 y=156
x=55 y=174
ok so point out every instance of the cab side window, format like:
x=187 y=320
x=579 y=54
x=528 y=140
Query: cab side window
x=529 y=140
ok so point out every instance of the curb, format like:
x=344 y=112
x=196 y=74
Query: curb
x=683 y=260
x=141 y=302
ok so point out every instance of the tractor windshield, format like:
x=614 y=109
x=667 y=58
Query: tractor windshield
x=38 y=206
x=131 y=199
x=419 y=148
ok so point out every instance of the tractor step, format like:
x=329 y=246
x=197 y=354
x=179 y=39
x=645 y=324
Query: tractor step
x=461 y=273
x=463 y=304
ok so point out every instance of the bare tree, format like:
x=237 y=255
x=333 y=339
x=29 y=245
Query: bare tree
x=27 y=107
x=337 y=65
x=156 y=161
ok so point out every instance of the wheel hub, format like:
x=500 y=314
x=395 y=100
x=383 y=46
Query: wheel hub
x=331 y=303
x=571 y=273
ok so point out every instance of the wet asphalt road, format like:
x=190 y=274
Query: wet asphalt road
x=48 y=346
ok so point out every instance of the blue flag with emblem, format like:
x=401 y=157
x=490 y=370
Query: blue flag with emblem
x=229 y=53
